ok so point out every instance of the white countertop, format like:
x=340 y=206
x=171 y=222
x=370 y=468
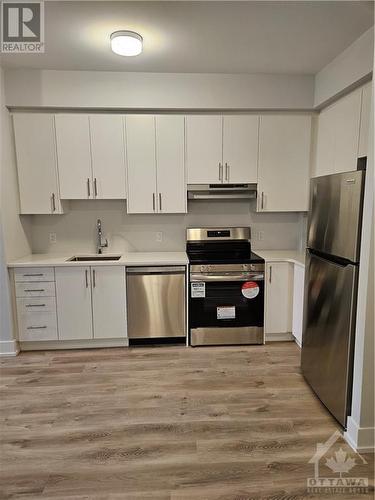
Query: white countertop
x=127 y=259
x=293 y=256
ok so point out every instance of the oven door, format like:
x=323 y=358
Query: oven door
x=226 y=308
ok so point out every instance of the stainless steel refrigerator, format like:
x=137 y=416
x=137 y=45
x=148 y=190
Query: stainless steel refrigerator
x=332 y=262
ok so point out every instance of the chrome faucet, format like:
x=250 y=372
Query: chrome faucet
x=100 y=245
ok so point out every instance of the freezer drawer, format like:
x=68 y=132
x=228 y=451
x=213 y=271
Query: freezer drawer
x=156 y=302
x=328 y=337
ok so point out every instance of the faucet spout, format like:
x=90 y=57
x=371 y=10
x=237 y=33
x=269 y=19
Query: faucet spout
x=100 y=243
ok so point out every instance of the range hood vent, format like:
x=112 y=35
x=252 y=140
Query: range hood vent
x=221 y=191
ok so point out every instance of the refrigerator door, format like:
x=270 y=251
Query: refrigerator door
x=329 y=317
x=335 y=214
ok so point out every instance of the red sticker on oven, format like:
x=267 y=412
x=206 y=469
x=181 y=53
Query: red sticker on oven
x=250 y=289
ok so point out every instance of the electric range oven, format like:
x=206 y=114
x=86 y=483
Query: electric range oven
x=226 y=287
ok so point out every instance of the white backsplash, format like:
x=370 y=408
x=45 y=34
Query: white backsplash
x=76 y=230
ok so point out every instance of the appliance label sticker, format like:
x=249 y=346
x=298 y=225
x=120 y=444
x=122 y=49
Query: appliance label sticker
x=198 y=289
x=226 y=312
x=250 y=289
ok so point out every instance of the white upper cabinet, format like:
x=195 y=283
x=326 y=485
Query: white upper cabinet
x=108 y=302
x=365 y=120
x=204 y=149
x=74 y=156
x=156 y=171
x=36 y=163
x=170 y=155
x=141 y=160
x=338 y=136
x=284 y=163
x=108 y=160
x=240 y=149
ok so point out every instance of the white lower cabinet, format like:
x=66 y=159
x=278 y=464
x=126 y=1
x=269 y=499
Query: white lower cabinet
x=108 y=302
x=91 y=302
x=73 y=296
x=298 y=293
x=279 y=298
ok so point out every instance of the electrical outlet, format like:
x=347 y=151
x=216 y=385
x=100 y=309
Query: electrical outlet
x=159 y=236
x=52 y=237
x=260 y=235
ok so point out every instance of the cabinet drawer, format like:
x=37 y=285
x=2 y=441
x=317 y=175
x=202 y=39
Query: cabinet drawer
x=37 y=326
x=22 y=274
x=38 y=289
x=31 y=305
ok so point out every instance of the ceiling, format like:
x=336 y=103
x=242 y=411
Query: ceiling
x=297 y=37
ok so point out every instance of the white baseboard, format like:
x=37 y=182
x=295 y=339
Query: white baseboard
x=278 y=337
x=361 y=439
x=9 y=348
x=72 y=344
x=297 y=342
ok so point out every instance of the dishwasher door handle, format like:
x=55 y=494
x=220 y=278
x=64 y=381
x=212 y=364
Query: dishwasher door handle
x=155 y=270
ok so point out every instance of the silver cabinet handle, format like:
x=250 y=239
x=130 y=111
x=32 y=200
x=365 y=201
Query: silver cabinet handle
x=36 y=327
x=93 y=278
x=270 y=275
x=95 y=188
x=160 y=202
x=86 y=278
x=153 y=202
x=34 y=290
x=88 y=188
x=35 y=305
x=220 y=172
x=33 y=274
x=53 y=201
x=262 y=201
x=226 y=172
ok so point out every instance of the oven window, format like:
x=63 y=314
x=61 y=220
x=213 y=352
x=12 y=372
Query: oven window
x=228 y=304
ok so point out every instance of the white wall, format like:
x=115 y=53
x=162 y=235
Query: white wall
x=104 y=89
x=76 y=231
x=13 y=232
x=351 y=66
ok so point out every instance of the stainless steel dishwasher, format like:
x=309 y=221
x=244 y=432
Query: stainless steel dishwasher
x=156 y=302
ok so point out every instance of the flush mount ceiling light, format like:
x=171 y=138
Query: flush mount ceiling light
x=126 y=43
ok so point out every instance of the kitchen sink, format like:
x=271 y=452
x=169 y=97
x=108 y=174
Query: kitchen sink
x=94 y=258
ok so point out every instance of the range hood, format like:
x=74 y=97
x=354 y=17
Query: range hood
x=221 y=191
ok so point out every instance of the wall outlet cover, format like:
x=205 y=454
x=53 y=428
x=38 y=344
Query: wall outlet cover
x=52 y=237
x=159 y=236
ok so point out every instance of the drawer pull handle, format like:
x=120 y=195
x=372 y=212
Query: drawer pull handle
x=35 y=305
x=36 y=327
x=34 y=290
x=35 y=274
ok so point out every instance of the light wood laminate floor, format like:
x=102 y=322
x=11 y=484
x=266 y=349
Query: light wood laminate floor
x=176 y=423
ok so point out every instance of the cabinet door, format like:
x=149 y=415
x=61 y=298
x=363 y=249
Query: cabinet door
x=240 y=148
x=325 y=145
x=141 y=163
x=74 y=156
x=279 y=297
x=204 y=151
x=284 y=163
x=36 y=163
x=365 y=120
x=107 y=151
x=108 y=302
x=347 y=117
x=73 y=300
x=170 y=149
x=298 y=294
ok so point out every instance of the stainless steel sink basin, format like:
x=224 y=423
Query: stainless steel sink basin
x=93 y=258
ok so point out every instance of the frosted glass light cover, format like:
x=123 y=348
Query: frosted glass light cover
x=126 y=43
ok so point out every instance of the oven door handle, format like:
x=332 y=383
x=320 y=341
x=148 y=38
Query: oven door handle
x=227 y=277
